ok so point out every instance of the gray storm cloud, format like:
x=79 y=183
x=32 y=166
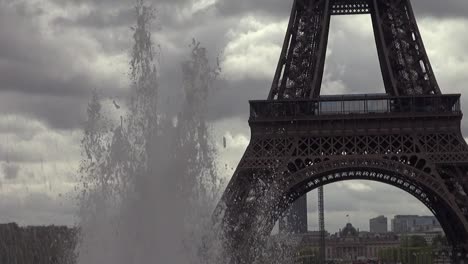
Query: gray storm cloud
x=54 y=52
x=10 y=170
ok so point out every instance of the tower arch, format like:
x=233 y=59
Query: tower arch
x=258 y=209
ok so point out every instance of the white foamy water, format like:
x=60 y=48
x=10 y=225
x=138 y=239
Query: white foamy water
x=150 y=181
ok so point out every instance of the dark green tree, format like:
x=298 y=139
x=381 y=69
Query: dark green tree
x=439 y=241
x=417 y=242
x=413 y=241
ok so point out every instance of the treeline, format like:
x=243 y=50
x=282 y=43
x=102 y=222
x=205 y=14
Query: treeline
x=37 y=245
x=414 y=250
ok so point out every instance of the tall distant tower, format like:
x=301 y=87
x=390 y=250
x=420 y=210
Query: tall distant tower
x=295 y=220
x=409 y=137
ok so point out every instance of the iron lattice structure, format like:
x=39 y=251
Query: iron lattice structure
x=409 y=137
x=321 y=210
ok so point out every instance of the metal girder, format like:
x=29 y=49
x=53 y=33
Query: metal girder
x=405 y=66
x=406 y=69
x=300 y=67
x=321 y=208
x=350 y=7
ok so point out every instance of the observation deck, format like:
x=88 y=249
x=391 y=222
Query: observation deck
x=366 y=106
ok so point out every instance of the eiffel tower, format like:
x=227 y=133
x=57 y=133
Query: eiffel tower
x=408 y=137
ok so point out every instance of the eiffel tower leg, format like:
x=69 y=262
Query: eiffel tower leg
x=301 y=64
x=248 y=212
x=405 y=66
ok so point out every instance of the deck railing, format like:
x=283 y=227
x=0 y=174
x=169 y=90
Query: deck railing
x=354 y=105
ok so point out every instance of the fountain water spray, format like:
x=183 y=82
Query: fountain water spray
x=150 y=182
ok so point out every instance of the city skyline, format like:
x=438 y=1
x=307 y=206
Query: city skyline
x=389 y=223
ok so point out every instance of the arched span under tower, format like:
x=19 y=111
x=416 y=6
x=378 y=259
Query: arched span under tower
x=262 y=207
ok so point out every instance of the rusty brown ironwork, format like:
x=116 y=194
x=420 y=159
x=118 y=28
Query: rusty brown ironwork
x=410 y=137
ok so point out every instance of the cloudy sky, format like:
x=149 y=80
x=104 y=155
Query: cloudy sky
x=54 y=52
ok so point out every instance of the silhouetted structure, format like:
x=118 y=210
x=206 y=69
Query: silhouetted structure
x=37 y=245
x=295 y=220
x=321 y=213
x=409 y=137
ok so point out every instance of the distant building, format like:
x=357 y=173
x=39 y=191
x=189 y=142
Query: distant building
x=414 y=223
x=378 y=225
x=349 y=244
